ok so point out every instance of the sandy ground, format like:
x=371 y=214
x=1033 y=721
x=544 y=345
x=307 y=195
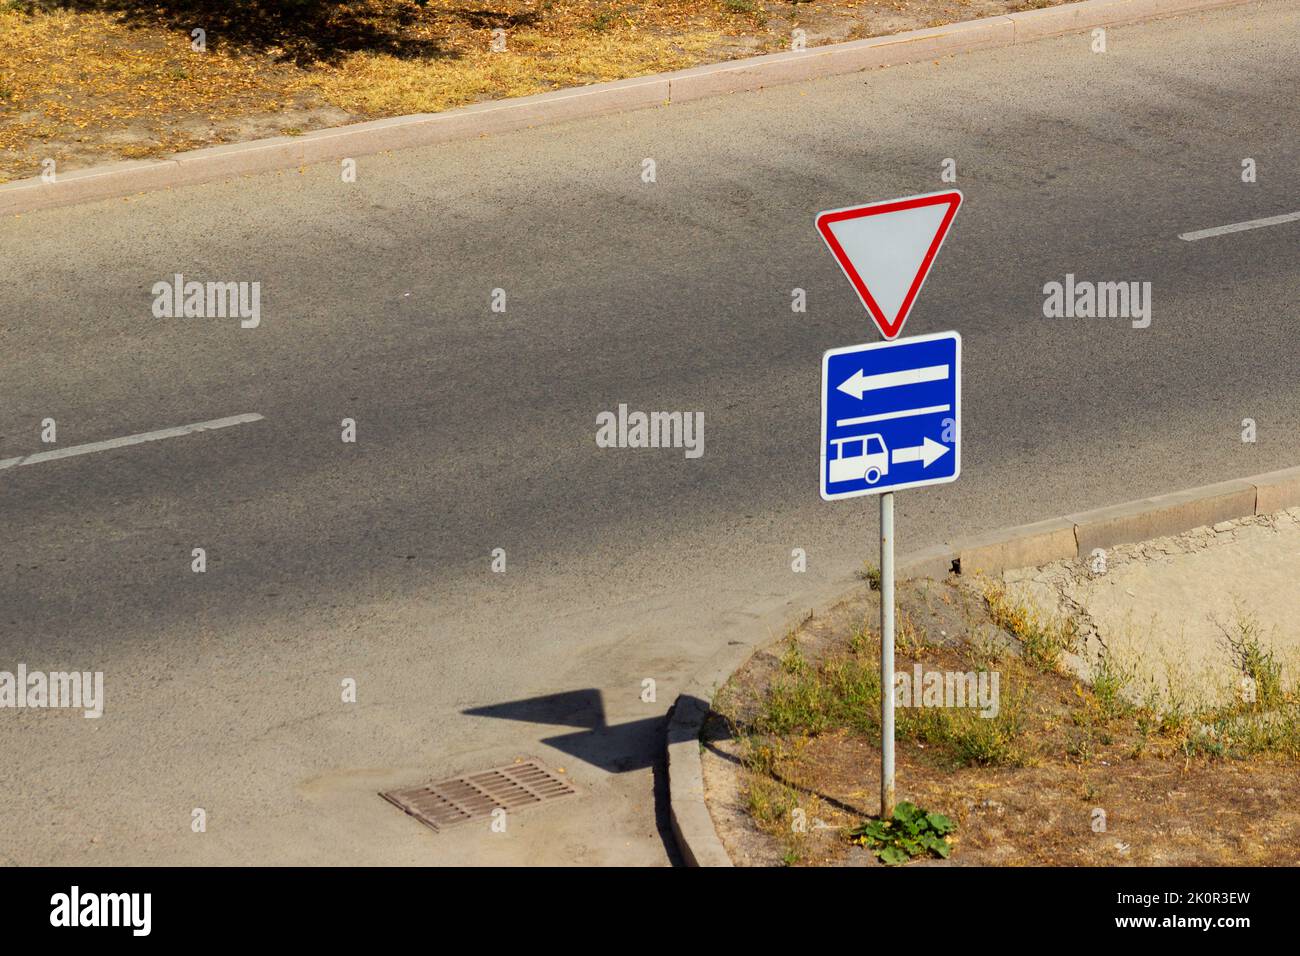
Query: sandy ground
x=1163 y=608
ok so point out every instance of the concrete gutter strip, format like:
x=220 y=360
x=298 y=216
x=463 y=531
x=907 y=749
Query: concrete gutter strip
x=501 y=116
x=1056 y=539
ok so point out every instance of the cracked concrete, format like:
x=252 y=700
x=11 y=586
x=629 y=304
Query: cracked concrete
x=1160 y=608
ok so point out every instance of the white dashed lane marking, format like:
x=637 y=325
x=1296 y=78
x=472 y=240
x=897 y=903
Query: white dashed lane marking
x=1239 y=227
x=142 y=437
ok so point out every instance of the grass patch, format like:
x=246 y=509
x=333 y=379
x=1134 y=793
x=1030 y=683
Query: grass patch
x=1261 y=672
x=534 y=61
x=773 y=796
x=1025 y=783
x=810 y=698
x=81 y=82
x=842 y=691
x=964 y=736
x=1044 y=640
x=1110 y=684
x=96 y=80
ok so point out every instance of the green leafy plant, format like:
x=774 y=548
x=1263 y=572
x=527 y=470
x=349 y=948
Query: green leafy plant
x=909 y=833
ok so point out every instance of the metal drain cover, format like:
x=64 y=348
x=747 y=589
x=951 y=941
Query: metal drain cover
x=475 y=795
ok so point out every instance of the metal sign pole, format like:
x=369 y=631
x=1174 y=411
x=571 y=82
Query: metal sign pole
x=880 y=246
x=886 y=655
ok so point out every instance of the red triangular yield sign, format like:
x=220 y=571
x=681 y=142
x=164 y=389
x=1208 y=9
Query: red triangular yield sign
x=886 y=250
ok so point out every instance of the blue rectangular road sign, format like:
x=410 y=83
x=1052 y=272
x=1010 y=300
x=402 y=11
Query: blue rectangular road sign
x=891 y=415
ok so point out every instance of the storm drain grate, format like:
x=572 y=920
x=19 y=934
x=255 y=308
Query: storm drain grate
x=475 y=795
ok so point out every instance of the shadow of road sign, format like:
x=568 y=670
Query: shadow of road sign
x=617 y=749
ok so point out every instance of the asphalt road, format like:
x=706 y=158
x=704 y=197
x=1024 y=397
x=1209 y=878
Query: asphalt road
x=476 y=429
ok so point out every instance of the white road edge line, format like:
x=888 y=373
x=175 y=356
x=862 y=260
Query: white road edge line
x=139 y=439
x=1239 y=227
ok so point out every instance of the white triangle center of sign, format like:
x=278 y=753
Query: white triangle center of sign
x=887 y=250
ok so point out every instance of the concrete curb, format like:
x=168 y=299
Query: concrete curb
x=692 y=825
x=1056 y=539
x=500 y=116
x=1075 y=536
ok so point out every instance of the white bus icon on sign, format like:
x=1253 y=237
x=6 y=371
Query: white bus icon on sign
x=859 y=457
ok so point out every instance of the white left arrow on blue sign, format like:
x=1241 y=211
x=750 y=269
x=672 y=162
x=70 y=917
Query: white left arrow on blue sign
x=858 y=384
